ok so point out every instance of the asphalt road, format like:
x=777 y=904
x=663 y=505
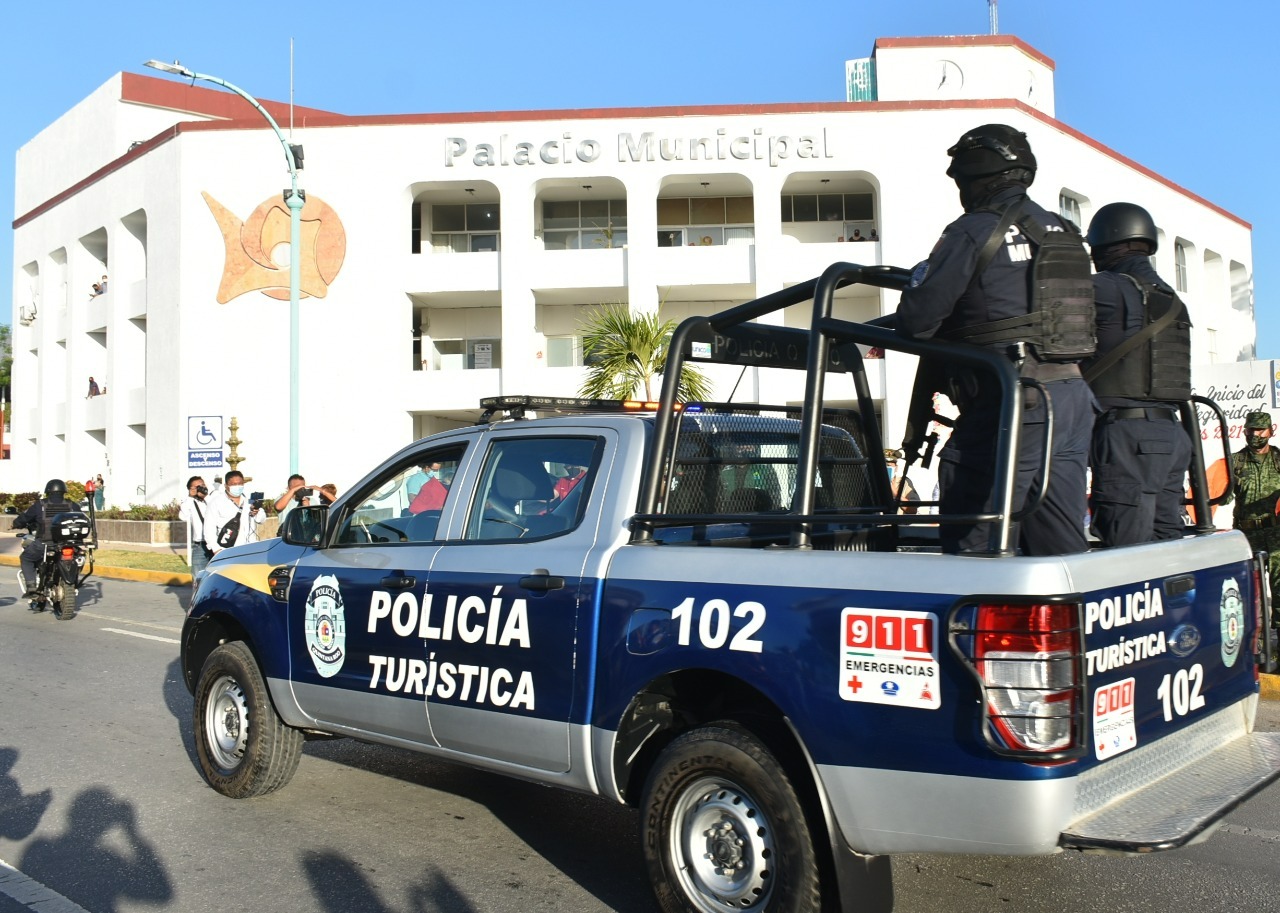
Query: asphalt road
x=101 y=802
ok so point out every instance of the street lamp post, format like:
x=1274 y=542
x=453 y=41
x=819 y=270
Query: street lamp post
x=294 y=200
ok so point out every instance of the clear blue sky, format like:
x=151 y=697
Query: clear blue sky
x=1190 y=90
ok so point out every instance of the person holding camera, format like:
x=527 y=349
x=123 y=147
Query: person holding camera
x=192 y=510
x=230 y=516
x=298 y=494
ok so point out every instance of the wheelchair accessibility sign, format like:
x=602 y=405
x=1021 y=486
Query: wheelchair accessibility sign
x=204 y=441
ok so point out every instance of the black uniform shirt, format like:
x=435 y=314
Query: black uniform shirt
x=1120 y=314
x=944 y=294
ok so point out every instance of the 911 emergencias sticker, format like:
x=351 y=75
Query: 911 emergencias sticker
x=889 y=658
x=1113 y=720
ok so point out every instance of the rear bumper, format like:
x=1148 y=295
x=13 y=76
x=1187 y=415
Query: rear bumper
x=1169 y=797
x=1158 y=796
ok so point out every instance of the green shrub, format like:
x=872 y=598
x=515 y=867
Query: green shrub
x=141 y=512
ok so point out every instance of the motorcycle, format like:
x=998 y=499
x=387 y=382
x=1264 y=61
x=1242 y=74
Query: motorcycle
x=66 y=564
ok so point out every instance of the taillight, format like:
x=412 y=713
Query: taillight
x=68 y=552
x=1027 y=659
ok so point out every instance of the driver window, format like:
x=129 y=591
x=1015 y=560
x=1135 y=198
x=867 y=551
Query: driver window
x=405 y=504
x=531 y=488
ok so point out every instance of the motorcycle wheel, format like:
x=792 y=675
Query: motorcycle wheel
x=64 y=602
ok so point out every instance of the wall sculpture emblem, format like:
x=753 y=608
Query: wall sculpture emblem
x=252 y=246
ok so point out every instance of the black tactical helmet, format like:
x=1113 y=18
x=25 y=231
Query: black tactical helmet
x=55 y=489
x=990 y=149
x=1118 y=222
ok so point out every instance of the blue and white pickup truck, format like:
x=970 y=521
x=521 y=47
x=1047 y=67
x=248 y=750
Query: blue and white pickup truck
x=715 y=613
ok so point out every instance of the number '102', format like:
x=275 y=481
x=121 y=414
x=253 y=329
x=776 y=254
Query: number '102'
x=715 y=621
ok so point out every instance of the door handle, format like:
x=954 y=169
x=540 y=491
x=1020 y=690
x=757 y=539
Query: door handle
x=541 y=581
x=397 y=582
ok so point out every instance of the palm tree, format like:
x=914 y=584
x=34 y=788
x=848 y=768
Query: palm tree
x=624 y=352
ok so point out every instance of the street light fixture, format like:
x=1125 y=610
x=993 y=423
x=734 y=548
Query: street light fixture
x=294 y=200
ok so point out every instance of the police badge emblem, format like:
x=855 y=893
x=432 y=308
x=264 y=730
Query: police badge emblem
x=326 y=626
x=1232 y=614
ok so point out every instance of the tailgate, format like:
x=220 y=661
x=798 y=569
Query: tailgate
x=1171 y=691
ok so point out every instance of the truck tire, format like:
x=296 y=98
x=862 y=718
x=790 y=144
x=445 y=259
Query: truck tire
x=723 y=828
x=244 y=748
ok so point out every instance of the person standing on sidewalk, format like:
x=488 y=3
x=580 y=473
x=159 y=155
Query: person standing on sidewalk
x=1256 y=493
x=229 y=518
x=193 y=510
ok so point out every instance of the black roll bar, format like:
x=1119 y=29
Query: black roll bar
x=829 y=344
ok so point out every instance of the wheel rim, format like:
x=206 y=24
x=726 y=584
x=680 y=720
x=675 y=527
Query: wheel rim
x=226 y=723
x=722 y=845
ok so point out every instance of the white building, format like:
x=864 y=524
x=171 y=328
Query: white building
x=450 y=257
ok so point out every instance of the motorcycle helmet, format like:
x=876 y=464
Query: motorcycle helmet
x=990 y=149
x=55 y=490
x=1118 y=222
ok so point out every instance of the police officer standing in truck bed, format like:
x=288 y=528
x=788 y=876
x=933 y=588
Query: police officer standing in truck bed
x=1141 y=372
x=976 y=287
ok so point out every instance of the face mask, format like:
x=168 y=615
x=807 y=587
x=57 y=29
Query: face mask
x=892 y=470
x=433 y=474
x=1257 y=442
x=236 y=490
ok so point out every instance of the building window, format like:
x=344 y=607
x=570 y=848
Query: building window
x=564 y=351
x=584 y=224
x=415 y=228
x=1213 y=345
x=465 y=228
x=828 y=207
x=1180 y=266
x=853 y=214
x=1069 y=209
x=463 y=354
x=705 y=221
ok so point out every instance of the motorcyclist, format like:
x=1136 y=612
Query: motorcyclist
x=38 y=519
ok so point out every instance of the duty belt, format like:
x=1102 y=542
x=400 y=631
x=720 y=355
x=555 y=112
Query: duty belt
x=1165 y=415
x=1257 y=523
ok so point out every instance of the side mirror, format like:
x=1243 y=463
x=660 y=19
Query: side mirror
x=305 y=525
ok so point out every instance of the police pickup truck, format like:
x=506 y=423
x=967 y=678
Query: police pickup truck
x=715 y=613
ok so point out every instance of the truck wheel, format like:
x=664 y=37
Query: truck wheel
x=243 y=746
x=724 y=830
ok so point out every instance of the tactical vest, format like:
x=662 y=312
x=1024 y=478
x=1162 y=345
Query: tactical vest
x=49 y=510
x=1059 y=325
x=1159 y=369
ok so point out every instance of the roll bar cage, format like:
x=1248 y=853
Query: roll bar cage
x=830 y=344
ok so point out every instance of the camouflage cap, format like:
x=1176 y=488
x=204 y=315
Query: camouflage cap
x=1258 y=420
x=891 y=455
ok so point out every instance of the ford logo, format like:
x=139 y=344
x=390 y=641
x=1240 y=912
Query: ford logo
x=1184 y=640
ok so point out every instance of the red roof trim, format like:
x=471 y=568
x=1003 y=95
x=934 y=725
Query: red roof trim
x=178 y=95
x=966 y=41
x=339 y=120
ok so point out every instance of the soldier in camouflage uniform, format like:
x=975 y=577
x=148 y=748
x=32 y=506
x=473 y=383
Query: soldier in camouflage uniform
x=1257 y=470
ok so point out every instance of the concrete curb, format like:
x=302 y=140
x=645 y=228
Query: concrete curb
x=1270 y=687
x=164 y=578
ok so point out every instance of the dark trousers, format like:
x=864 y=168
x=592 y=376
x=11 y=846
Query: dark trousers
x=966 y=476
x=32 y=555
x=1139 y=479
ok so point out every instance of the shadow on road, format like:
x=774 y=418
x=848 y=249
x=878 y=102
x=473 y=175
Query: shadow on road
x=179 y=703
x=19 y=814
x=102 y=858
x=594 y=842
x=340 y=886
